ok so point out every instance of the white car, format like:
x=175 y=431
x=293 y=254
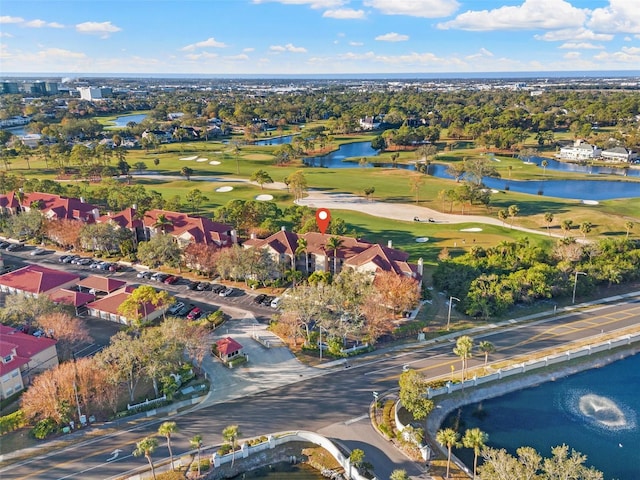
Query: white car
x=37 y=251
x=275 y=302
x=226 y=292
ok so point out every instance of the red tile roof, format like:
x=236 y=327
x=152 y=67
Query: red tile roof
x=201 y=229
x=61 y=207
x=26 y=346
x=37 y=279
x=71 y=297
x=9 y=201
x=226 y=346
x=102 y=284
x=127 y=218
x=111 y=302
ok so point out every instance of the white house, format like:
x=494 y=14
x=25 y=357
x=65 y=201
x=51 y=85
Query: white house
x=619 y=154
x=580 y=150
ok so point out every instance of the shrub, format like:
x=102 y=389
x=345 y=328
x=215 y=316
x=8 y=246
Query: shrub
x=44 y=428
x=11 y=422
x=205 y=464
x=225 y=448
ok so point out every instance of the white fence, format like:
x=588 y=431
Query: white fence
x=535 y=364
x=299 y=436
x=147 y=402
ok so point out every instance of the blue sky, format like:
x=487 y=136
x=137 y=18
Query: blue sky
x=289 y=37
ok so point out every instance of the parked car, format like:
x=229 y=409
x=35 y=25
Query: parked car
x=194 y=314
x=144 y=274
x=69 y=258
x=259 y=298
x=175 y=308
x=215 y=288
x=115 y=267
x=192 y=285
x=226 y=292
x=85 y=261
x=159 y=276
x=267 y=300
x=37 y=251
x=104 y=266
x=184 y=311
x=171 y=279
x=15 y=247
x=63 y=258
x=4 y=245
x=203 y=286
x=275 y=302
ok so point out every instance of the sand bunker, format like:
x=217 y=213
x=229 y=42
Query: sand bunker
x=422 y=239
x=202 y=159
x=473 y=229
x=224 y=189
x=264 y=197
x=214 y=162
x=189 y=158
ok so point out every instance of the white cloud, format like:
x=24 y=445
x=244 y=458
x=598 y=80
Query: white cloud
x=621 y=16
x=6 y=35
x=414 y=8
x=237 y=58
x=574 y=34
x=482 y=53
x=344 y=14
x=287 y=48
x=97 y=28
x=248 y=49
x=392 y=37
x=532 y=14
x=571 y=55
x=580 y=46
x=208 y=43
x=41 y=23
x=356 y=44
x=9 y=19
x=629 y=55
x=201 y=56
x=318 y=4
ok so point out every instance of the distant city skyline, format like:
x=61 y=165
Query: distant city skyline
x=317 y=37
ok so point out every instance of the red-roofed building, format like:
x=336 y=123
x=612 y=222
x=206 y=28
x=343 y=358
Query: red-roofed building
x=354 y=253
x=228 y=349
x=107 y=307
x=9 y=203
x=36 y=280
x=72 y=297
x=187 y=229
x=21 y=357
x=55 y=207
x=99 y=284
x=127 y=218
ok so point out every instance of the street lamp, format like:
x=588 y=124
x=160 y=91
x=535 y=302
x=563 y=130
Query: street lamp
x=320 y=344
x=451 y=299
x=575 y=284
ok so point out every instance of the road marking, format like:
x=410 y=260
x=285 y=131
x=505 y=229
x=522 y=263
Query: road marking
x=357 y=419
x=114 y=455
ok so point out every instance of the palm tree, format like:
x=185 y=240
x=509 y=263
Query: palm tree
x=186 y=172
x=162 y=222
x=230 y=434
x=449 y=438
x=585 y=227
x=302 y=247
x=236 y=153
x=566 y=226
x=463 y=349
x=334 y=244
x=261 y=177
x=486 y=347
x=544 y=167
x=629 y=226
x=476 y=439
x=548 y=217
x=503 y=215
x=146 y=447
x=166 y=429
x=513 y=211
x=196 y=442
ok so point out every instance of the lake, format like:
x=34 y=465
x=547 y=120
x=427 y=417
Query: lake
x=594 y=412
x=121 y=122
x=600 y=189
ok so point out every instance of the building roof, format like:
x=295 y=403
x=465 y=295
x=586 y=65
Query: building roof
x=26 y=347
x=111 y=302
x=57 y=207
x=71 y=297
x=127 y=218
x=198 y=229
x=9 y=201
x=102 y=284
x=385 y=258
x=227 y=346
x=37 y=279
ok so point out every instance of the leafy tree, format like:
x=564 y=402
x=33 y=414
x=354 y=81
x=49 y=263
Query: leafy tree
x=186 y=172
x=369 y=191
x=195 y=198
x=261 y=177
x=334 y=244
x=297 y=184
x=230 y=434
x=449 y=438
x=628 y=227
x=566 y=226
x=159 y=250
x=413 y=387
x=356 y=457
x=399 y=293
x=464 y=350
x=201 y=257
x=415 y=183
x=585 y=228
x=103 y=237
x=26 y=225
x=166 y=429
x=476 y=439
x=146 y=447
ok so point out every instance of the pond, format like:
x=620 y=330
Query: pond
x=283 y=470
x=121 y=122
x=570 y=189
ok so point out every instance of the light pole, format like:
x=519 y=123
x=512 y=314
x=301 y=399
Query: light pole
x=575 y=284
x=320 y=344
x=451 y=299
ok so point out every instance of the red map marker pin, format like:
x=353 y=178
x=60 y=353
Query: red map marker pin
x=323 y=217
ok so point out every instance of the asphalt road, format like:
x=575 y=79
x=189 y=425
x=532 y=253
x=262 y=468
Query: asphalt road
x=334 y=403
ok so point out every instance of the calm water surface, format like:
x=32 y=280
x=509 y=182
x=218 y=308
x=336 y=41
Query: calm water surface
x=122 y=121
x=284 y=471
x=595 y=412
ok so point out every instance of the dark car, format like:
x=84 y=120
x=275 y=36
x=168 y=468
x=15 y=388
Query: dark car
x=192 y=285
x=62 y=258
x=14 y=247
x=203 y=286
x=217 y=288
x=4 y=245
x=260 y=298
x=266 y=301
x=184 y=311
